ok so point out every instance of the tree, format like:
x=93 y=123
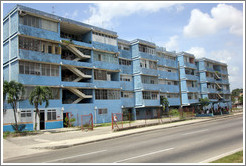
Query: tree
x=164 y=103
x=203 y=102
x=236 y=94
x=14 y=90
x=240 y=99
x=39 y=95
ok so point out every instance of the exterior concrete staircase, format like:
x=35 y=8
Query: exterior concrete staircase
x=77 y=72
x=80 y=94
x=76 y=52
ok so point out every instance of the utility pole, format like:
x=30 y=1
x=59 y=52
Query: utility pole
x=180 y=95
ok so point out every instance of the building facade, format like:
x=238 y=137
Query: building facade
x=91 y=71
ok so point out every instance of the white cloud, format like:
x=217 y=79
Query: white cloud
x=172 y=44
x=72 y=15
x=223 y=56
x=198 y=52
x=103 y=13
x=235 y=66
x=222 y=16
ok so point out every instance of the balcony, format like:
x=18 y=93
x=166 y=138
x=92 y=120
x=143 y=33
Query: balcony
x=209 y=69
x=210 y=79
x=39 y=80
x=151 y=87
x=193 y=89
x=167 y=62
x=125 y=54
x=126 y=69
x=224 y=72
x=169 y=88
x=191 y=77
x=38 y=32
x=127 y=85
x=75 y=42
x=147 y=56
x=149 y=71
x=76 y=63
x=191 y=101
x=39 y=56
x=211 y=90
x=168 y=75
x=127 y=102
x=106 y=47
x=174 y=101
x=106 y=65
x=77 y=84
x=190 y=65
x=151 y=103
x=106 y=84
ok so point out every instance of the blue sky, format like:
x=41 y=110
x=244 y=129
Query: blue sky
x=211 y=30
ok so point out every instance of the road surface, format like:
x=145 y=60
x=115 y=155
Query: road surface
x=183 y=144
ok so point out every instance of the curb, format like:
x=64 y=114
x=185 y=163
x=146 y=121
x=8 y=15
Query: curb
x=54 y=147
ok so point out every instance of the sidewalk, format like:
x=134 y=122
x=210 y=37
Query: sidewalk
x=67 y=137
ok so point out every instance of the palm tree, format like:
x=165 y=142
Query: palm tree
x=39 y=95
x=14 y=90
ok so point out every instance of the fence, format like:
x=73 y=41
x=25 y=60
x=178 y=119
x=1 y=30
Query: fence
x=121 y=122
x=87 y=122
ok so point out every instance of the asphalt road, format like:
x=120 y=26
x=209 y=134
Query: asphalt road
x=184 y=144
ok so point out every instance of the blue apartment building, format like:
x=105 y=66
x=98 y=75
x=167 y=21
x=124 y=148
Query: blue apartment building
x=92 y=71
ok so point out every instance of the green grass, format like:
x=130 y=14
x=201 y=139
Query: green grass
x=17 y=134
x=110 y=123
x=234 y=158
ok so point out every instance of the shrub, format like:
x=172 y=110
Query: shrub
x=174 y=112
x=66 y=122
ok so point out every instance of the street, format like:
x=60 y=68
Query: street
x=182 y=144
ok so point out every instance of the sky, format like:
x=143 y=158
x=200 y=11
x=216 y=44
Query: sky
x=211 y=30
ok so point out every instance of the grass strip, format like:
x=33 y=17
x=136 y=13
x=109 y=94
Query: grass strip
x=233 y=158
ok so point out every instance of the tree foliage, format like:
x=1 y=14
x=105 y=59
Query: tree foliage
x=13 y=91
x=39 y=95
x=164 y=102
x=204 y=102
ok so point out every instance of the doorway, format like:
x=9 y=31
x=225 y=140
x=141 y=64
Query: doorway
x=42 y=120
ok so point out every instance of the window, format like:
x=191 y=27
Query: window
x=28 y=89
x=39 y=23
x=148 y=64
x=123 y=47
x=125 y=78
x=172 y=95
x=147 y=95
x=192 y=96
x=51 y=114
x=38 y=69
x=103 y=94
x=103 y=38
x=149 y=79
x=167 y=56
x=146 y=49
x=189 y=71
x=191 y=84
x=125 y=62
x=102 y=111
x=111 y=58
x=100 y=75
x=38 y=45
x=26 y=113
x=125 y=94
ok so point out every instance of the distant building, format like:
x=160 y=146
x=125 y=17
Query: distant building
x=91 y=70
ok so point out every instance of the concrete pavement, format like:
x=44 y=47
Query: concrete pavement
x=67 y=137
